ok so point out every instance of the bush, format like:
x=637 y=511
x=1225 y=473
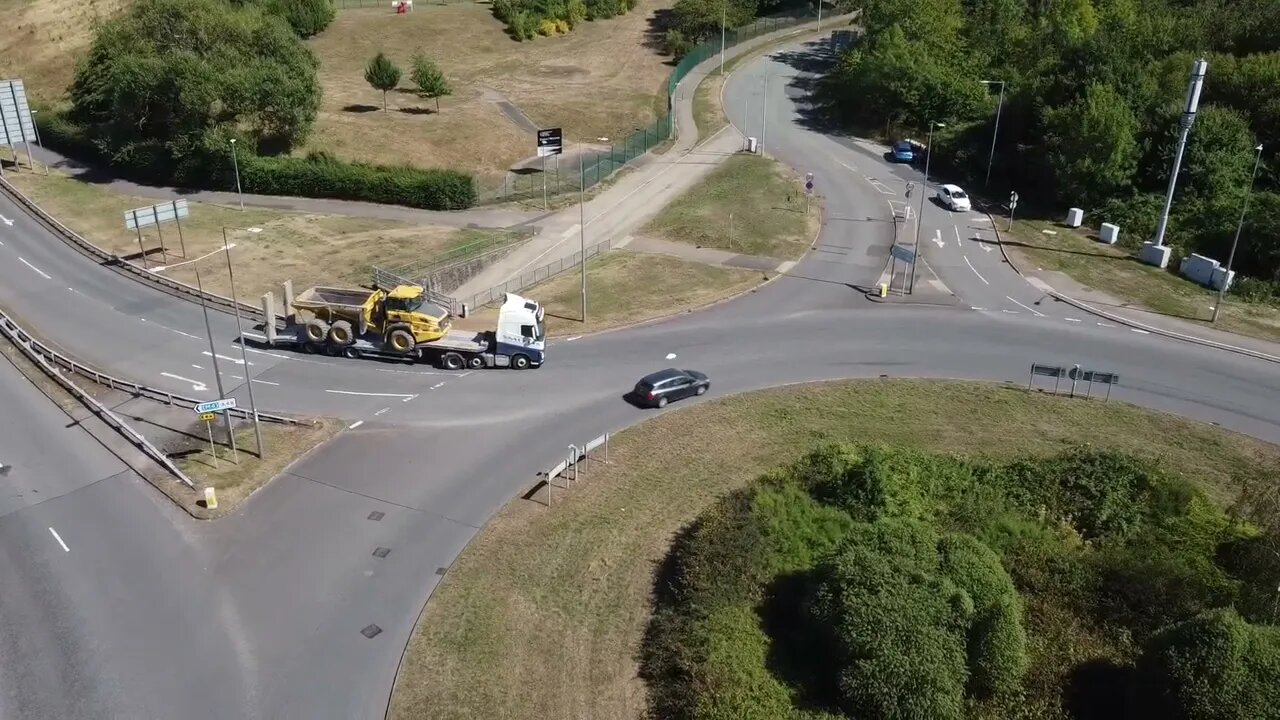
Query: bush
x=797 y=529
x=998 y=657
x=320 y=175
x=1253 y=290
x=306 y=17
x=1215 y=666
x=733 y=680
x=547 y=27
x=675 y=44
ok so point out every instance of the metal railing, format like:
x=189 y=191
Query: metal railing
x=579 y=459
x=537 y=275
x=75 y=240
x=427 y=274
x=27 y=345
x=25 y=340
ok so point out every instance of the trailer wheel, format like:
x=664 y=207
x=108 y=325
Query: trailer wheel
x=341 y=334
x=317 y=330
x=520 y=362
x=309 y=348
x=351 y=352
x=400 y=340
x=451 y=361
x=475 y=362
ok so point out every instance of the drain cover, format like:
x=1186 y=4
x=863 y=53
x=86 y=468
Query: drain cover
x=381 y=552
x=376 y=515
x=370 y=631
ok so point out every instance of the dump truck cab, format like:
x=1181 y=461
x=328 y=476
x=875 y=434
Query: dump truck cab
x=407 y=305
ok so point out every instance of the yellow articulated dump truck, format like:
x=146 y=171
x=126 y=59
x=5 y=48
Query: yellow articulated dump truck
x=405 y=324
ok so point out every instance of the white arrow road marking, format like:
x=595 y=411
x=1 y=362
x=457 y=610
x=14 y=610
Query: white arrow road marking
x=38 y=270
x=237 y=361
x=937 y=237
x=975 y=270
x=195 y=384
x=6 y=221
x=1015 y=302
x=59 y=539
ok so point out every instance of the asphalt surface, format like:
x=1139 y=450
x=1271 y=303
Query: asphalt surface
x=260 y=615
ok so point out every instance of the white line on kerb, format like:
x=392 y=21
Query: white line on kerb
x=975 y=270
x=355 y=425
x=33 y=267
x=59 y=539
x=1033 y=310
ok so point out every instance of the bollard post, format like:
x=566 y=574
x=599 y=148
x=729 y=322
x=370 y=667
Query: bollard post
x=210 y=498
x=884 y=290
x=269 y=317
x=1075 y=377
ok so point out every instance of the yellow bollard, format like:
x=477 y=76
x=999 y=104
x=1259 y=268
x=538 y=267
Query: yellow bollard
x=210 y=498
x=884 y=289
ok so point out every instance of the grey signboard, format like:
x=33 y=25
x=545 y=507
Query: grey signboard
x=156 y=214
x=16 y=124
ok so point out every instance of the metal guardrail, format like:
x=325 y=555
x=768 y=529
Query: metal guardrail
x=75 y=240
x=577 y=456
x=25 y=340
x=27 y=345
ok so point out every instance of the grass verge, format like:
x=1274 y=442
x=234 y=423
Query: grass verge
x=309 y=249
x=625 y=287
x=236 y=481
x=1117 y=272
x=750 y=204
x=543 y=614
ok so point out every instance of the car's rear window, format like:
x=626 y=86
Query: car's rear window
x=957 y=193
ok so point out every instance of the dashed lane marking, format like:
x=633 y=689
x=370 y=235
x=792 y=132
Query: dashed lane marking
x=42 y=273
x=1025 y=307
x=975 y=270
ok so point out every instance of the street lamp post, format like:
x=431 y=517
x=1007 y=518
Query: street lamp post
x=1222 y=291
x=235 y=163
x=582 y=230
x=724 y=4
x=244 y=357
x=999 y=106
x=208 y=330
x=36 y=126
x=924 y=190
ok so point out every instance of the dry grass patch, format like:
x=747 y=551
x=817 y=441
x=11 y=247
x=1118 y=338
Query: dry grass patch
x=236 y=481
x=42 y=40
x=750 y=204
x=598 y=81
x=308 y=249
x=544 y=613
x=1117 y=272
x=625 y=287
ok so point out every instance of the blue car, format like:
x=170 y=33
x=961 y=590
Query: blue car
x=904 y=152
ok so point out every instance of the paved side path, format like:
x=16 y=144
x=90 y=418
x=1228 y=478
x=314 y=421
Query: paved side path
x=709 y=256
x=641 y=193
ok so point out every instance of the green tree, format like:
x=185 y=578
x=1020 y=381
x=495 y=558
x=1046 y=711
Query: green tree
x=1218 y=157
x=1215 y=666
x=306 y=17
x=166 y=83
x=382 y=74
x=1092 y=148
x=432 y=84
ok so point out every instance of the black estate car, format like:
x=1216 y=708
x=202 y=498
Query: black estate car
x=658 y=389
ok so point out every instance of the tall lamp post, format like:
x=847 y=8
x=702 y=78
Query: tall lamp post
x=582 y=229
x=724 y=4
x=244 y=357
x=1222 y=291
x=235 y=163
x=1000 y=106
x=924 y=190
x=208 y=330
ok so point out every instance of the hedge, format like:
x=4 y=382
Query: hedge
x=318 y=175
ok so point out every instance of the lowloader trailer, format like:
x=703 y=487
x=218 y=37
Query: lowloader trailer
x=517 y=341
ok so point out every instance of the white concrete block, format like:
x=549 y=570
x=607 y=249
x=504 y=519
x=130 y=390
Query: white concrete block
x=1109 y=233
x=1153 y=254
x=1075 y=217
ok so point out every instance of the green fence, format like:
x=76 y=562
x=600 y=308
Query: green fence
x=527 y=184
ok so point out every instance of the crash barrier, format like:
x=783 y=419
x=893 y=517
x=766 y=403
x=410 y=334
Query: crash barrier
x=37 y=355
x=74 y=239
x=577 y=459
x=1077 y=375
x=24 y=339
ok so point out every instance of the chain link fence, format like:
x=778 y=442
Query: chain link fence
x=535 y=276
x=526 y=184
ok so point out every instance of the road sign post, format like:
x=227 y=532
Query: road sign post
x=1013 y=204
x=214 y=406
x=808 y=191
x=208 y=419
x=550 y=142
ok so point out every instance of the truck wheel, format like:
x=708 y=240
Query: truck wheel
x=520 y=362
x=341 y=334
x=451 y=361
x=317 y=330
x=351 y=352
x=400 y=340
x=475 y=362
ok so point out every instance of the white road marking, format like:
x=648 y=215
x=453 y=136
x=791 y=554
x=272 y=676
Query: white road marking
x=265 y=382
x=1039 y=284
x=1009 y=312
x=573 y=229
x=195 y=384
x=1102 y=324
x=975 y=270
x=1015 y=302
x=1144 y=332
x=971 y=307
x=6 y=221
x=368 y=394
x=237 y=361
x=466 y=373
x=937 y=237
x=355 y=425
x=575 y=337
x=847 y=166
x=59 y=539
x=2 y=245
x=1072 y=319
x=196 y=366
x=884 y=189
x=671 y=356
x=42 y=273
x=263 y=352
x=433 y=387
x=382 y=411
x=957 y=229
x=986 y=247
